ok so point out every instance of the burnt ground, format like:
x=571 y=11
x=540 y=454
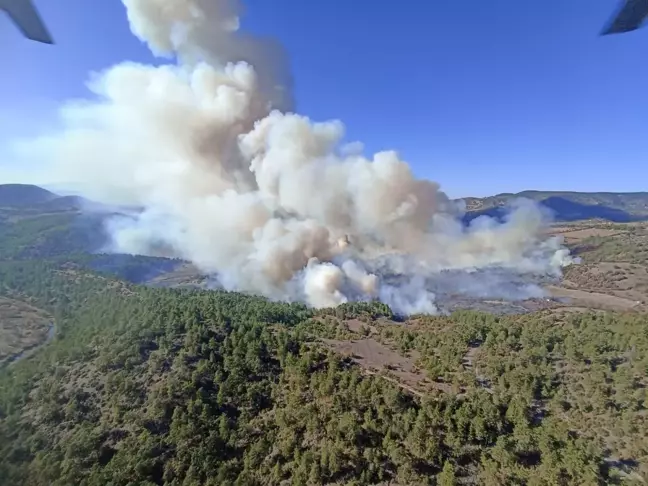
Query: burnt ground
x=185 y=275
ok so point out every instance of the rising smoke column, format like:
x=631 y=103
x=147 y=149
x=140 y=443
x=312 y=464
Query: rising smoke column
x=267 y=200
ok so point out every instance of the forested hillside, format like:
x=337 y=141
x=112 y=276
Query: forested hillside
x=152 y=386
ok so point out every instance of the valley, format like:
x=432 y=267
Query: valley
x=150 y=378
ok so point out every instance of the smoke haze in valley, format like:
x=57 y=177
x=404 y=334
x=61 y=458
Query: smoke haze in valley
x=267 y=200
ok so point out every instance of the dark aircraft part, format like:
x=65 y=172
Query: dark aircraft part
x=25 y=16
x=629 y=17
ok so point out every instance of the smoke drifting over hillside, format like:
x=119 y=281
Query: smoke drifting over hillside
x=270 y=201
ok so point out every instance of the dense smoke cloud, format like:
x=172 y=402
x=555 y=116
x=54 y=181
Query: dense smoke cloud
x=208 y=30
x=267 y=200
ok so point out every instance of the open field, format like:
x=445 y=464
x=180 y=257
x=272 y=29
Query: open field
x=613 y=274
x=22 y=327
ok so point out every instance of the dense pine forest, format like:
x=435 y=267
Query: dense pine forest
x=159 y=386
x=155 y=386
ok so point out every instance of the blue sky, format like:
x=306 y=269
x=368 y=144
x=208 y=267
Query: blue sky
x=481 y=96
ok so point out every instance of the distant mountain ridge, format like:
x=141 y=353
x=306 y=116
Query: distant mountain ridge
x=13 y=195
x=28 y=196
x=565 y=205
x=37 y=224
x=569 y=205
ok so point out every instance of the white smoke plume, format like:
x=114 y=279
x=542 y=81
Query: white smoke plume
x=267 y=200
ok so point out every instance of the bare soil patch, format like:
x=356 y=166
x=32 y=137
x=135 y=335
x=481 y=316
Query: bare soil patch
x=22 y=326
x=595 y=300
x=570 y=309
x=374 y=357
x=613 y=274
x=357 y=326
x=574 y=236
x=621 y=279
